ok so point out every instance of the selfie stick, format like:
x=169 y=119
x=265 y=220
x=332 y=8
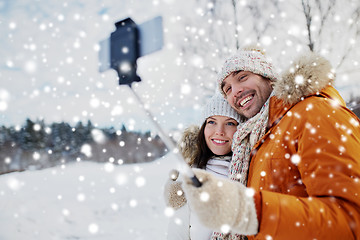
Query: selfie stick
x=126 y=44
x=169 y=143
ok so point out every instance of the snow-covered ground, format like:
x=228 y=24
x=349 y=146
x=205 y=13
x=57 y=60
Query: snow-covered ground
x=86 y=200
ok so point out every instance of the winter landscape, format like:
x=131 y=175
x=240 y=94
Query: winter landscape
x=86 y=200
x=57 y=185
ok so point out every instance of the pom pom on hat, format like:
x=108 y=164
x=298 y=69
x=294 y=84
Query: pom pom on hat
x=255 y=48
x=218 y=106
x=251 y=58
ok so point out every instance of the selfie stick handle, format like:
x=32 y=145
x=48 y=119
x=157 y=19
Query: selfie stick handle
x=169 y=143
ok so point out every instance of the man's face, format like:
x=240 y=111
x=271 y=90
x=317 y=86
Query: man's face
x=246 y=92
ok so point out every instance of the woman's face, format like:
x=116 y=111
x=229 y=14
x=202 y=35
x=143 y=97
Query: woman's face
x=218 y=133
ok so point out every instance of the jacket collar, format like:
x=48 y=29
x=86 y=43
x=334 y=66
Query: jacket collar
x=278 y=108
x=308 y=75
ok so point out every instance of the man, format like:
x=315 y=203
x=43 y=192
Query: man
x=297 y=152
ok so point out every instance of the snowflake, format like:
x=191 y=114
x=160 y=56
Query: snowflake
x=186 y=89
x=125 y=67
x=299 y=80
x=98 y=136
x=81 y=197
x=65 y=212
x=94 y=103
x=133 y=203
x=13 y=183
x=295 y=159
x=109 y=167
x=30 y=67
x=225 y=228
x=93 y=228
x=36 y=156
x=121 y=179
x=204 y=196
x=3 y=106
x=169 y=211
x=86 y=149
x=266 y=40
x=117 y=110
x=140 y=181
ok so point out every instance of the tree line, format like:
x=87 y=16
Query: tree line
x=36 y=145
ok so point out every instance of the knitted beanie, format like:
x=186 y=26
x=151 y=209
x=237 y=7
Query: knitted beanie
x=251 y=59
x=219 y=106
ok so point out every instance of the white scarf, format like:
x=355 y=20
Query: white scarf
x=244 y=139
x=219 y=166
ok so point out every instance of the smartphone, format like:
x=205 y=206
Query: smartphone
x=130 y=41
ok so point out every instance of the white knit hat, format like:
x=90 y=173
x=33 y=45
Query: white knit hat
x=250 y=59
x=219 y=106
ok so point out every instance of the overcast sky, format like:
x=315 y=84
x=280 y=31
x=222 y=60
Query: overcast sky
x=49 y=65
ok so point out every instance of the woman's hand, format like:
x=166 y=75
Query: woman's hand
x=173 y=193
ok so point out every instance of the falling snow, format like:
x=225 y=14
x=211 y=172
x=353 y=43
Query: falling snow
x=86 y=149
x=49 y=69
x=204 y=196
x=87 y=200
x=295 y=159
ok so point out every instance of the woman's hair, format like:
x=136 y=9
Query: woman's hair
x=204 y=153
x=217 y=105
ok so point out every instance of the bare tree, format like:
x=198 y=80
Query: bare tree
x=226 y=27
x=321 y=18
x=215 y=29
x=355 y=27
x=308 y=16
x=236 y=24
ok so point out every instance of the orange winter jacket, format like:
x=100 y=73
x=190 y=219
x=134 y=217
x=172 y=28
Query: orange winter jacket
x=307 y=166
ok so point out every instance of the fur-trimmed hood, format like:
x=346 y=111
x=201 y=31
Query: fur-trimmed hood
x=308 y=74
x=187 y=144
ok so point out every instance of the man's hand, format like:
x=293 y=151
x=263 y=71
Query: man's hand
x=221 y=204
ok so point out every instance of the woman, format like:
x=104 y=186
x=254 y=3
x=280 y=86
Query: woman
x=207 y=148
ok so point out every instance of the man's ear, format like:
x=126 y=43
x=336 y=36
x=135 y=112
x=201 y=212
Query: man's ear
x=272 y=84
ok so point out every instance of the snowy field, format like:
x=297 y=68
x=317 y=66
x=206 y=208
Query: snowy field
x=86 y=200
